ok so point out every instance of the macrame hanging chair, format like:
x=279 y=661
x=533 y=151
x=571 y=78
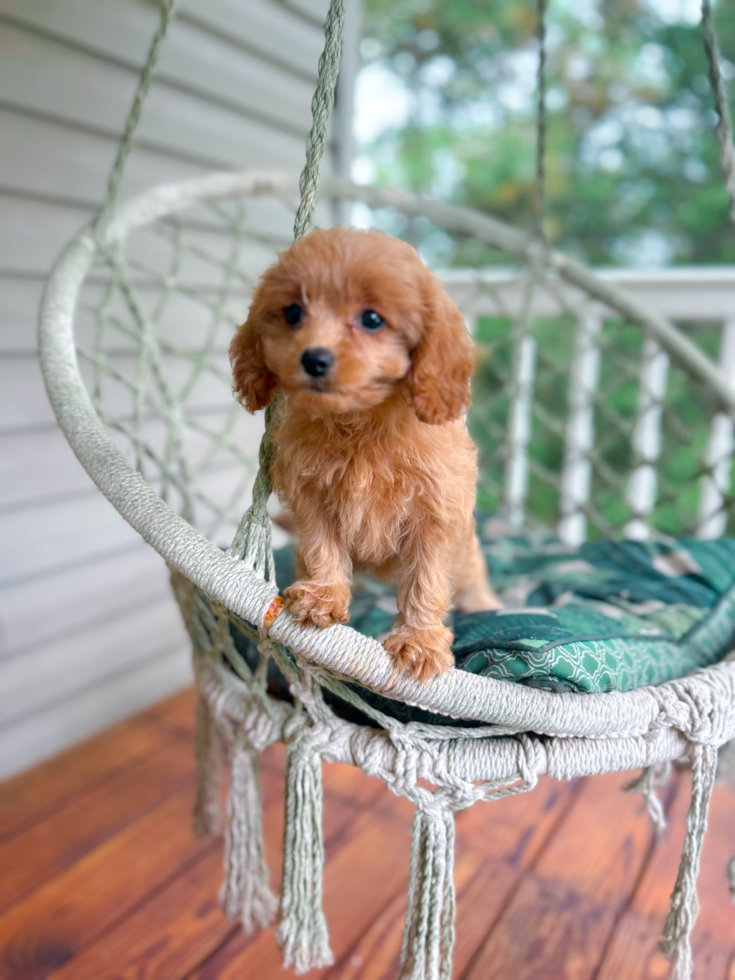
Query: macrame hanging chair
x=134 y=326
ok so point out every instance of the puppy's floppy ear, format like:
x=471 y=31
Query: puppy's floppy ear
x=253 y=383
x=442 y=362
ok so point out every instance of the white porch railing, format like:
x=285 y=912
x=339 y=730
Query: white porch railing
x=689 y=297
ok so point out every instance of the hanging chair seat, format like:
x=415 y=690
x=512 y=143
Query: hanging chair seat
x=152 y=261
x=133 y=338
x=606 y=616
x=607 y=657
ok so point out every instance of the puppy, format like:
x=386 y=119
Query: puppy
x=372 y=454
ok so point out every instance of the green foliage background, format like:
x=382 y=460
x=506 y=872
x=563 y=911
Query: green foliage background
x=631 y=156
x=634 y=179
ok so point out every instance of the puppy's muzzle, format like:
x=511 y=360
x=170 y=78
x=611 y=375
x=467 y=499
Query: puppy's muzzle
x=317 y=361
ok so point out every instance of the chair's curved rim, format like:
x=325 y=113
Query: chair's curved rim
x=340 y=648
x=171 y=198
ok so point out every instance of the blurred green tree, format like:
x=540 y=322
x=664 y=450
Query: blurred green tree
x=634 y=176
x=448 y=96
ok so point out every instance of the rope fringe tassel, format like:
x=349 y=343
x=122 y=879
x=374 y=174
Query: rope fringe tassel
x=209 y=754
x=428 y=937
x=684 y=903
x=302 y=929
x=245 y=892
x=649 y=780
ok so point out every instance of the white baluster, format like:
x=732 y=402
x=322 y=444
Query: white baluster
x=576 y=477
x=718 y=458
x=643 y=482
x=519 y=433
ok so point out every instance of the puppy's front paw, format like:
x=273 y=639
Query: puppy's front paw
x=322 y=605
x=421 y=653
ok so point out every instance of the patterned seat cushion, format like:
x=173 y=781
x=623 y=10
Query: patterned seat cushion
x=607 y=616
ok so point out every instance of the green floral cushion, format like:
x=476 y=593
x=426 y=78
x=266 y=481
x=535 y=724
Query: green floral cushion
x=607 y=616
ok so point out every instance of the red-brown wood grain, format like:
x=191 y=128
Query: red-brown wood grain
x=103 y=879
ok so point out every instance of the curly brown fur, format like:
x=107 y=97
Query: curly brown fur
x=372 y=458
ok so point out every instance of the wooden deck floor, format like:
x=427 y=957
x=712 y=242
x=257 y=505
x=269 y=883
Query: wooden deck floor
x=101 y=876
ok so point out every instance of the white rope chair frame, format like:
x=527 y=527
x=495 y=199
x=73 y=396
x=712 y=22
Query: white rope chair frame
x=523 y=731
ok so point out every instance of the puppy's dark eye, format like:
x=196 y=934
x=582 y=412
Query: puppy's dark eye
x=371 y=320
x=293 y=314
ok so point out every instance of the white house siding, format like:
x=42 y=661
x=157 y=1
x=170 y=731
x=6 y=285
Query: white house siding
x=88 y=629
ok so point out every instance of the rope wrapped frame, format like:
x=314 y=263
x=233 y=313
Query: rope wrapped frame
x=340 y=649
x=524 y=732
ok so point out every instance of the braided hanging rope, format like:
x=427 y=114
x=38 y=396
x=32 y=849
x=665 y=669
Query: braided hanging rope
x=541 y=118
x=131 y=124
x=252 y=541
x=724 y=121
x=321 y=108
x=302 y=929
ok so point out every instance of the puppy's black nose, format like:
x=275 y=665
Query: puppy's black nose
x=316 y=361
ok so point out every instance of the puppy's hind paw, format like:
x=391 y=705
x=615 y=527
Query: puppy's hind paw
x=481 y=600
x=320 y=605
x=421 y=653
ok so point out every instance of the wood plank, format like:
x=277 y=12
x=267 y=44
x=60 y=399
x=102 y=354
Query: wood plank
x=373 y=849
x=633 y=951
x=350 y=785
x=27 y=457
x=34 y=794
x=488 y=866
x=562 y=839
x=642 y=489
x=24 y=249
x=179 y=926
x=41 y=75
x=74 y=907
x=197 y=61
x=27 y=248
x=18 y=314
x=375 y=852
x=715 y=486
x=570 y=900
x=264 y=27
x=166 y=937
x=636 y=954
x=520 y=824
x=184 y=323
x=43 y=610
x=41 y=677
x=175 y=714
x=91 y=709
x=315 y=10
x=579 y=439
x=376 y=955
x=59 y=533
x=48 y=158
x=84 y=822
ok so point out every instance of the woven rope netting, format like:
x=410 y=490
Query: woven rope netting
x=155 y=320
x=135 y=326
